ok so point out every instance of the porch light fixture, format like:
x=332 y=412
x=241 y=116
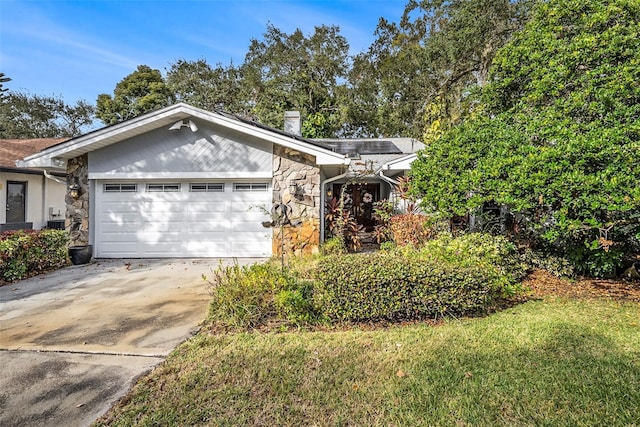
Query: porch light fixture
x=184 y=123
x=74 y=191
x=293 y=188
x=329 y=193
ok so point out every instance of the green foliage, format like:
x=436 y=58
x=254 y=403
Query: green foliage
x=252 y=296
x=211 y=88
x=3 y=79
x=142 y=91
x=479 y=249
x=24 y=116
x=419 y=72
x=27 y=253
x=559 y=142
x=556 y=265
x=333 y=246
x=284 y=72
x=450 y=277
x=382 y=213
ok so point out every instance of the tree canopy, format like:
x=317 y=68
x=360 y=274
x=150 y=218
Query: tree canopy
x=557 y=136
x=419 y=72
x=141 y=91
x=24 y=115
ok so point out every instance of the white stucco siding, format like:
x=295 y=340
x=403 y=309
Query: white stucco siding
x=42 y=194
x=163 y=153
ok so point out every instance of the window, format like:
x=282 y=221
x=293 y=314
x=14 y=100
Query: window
x=163 y=188
x=210 y=187
x=250 y=186
x=120 y=188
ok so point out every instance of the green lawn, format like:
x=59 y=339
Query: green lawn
x=551 y=362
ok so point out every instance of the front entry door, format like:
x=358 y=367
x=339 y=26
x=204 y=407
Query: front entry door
x=16 y=196
x=360 y=199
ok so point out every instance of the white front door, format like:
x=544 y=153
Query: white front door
x=154 y=219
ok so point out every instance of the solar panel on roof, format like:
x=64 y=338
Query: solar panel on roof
x=367 y=147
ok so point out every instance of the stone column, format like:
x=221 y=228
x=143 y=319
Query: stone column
x=77 y=214
x=292 y=167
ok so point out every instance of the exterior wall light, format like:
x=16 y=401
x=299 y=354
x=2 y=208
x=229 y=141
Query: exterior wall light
x=293 y=188
x=74 y=191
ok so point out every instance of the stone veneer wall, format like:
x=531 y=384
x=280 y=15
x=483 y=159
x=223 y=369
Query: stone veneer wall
x=290 y=166
x=77 y=215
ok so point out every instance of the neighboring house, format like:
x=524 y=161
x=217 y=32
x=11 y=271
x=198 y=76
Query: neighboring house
x=30 y=200
x=185 y=182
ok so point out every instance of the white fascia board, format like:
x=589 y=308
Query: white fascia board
x=401 y=164
x=47 y=163
x=322 y=155
x=180 y=175
x=144 y=123
x=84 y=143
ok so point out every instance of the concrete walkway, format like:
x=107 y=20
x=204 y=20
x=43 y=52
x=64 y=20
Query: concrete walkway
x=72 y=342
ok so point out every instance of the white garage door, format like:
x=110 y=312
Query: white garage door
x=182 y=219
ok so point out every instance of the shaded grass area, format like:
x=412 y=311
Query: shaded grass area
x=547 y=362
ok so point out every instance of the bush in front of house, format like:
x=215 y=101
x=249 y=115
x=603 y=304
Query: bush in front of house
x=410 y=229
x=25 y=253
x=251 y=296
x=448 y=277
x=466 y=275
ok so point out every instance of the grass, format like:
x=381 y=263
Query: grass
x=553 y=362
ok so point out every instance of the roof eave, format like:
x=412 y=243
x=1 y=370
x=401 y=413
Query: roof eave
x=55 y=157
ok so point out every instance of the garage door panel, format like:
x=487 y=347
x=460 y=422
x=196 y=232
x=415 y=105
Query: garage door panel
x=161 y=226
x=214 y=206
x=207 y=228
x=182 y=224
x=163 y=207
x=212 y=217
x=120 y=249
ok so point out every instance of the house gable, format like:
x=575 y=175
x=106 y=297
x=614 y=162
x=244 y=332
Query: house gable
x=210 y=152
x=166 y=119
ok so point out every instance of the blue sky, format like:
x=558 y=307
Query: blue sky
x=79 y=49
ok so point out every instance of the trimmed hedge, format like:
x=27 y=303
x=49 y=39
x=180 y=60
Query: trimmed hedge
x=27 y=253
x=449 y=277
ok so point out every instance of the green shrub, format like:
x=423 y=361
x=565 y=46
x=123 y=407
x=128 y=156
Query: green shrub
x=556 y=265
x=333 y=246
x=480 y=249
x=448 y=276
x=254 y=295
x=27 y=253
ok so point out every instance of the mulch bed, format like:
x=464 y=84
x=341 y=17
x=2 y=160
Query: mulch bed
x=541 y=283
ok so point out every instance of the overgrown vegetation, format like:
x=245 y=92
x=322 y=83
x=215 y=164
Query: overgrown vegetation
x=461 y=276
x=548 y=362
x=555 y=138
x=258 y=294
x=27 y=253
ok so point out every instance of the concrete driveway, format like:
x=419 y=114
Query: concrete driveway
x=72 y=342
